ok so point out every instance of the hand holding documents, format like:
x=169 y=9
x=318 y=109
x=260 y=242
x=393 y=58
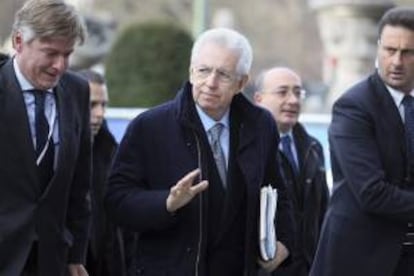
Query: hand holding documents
x=267 y=230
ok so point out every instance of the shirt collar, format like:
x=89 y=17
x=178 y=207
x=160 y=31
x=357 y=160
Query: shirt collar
x=22 y=80
x=289 y=133
x=397 y=95
x=209 y=122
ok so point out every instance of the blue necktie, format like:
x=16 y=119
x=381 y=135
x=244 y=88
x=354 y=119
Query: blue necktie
x=215 y=133
x=287 y=150
x=408 y=103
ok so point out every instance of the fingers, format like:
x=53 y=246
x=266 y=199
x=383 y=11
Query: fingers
x=188 y=179
x=185 y=184
x=184 y=191
x=281 y=255
x=199 y=187
x=191 y=191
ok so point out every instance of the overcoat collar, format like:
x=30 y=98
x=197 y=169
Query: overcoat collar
x=185 y=112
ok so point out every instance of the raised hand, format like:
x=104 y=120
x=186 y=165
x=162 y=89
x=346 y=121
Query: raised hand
x=184 y=191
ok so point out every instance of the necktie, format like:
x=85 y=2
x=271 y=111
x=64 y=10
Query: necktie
x=408 y=103
x=218 y=153
x=45 y=167
x=41 y=123
x=287 y=150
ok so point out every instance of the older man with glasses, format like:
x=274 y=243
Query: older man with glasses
x=188 y=173
x=280 y=91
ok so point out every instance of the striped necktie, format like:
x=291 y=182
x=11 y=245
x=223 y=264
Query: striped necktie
x=219 y=158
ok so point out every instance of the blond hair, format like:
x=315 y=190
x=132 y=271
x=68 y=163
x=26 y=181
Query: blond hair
x=45 y=19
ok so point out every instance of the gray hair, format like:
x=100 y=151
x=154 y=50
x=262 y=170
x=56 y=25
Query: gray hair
x=45 y=19
x=230 y=39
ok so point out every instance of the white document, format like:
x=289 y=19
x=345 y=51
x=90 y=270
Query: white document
x=267 y=231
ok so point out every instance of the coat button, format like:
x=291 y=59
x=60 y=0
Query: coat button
x=189 y=250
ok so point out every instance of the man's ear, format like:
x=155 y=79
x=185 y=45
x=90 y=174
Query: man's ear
x=17 y=41
x=257 y=97
x=190 y=74
x=243 y=82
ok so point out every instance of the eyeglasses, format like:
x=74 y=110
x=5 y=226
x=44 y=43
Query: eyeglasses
x=284 y=92
x=203 y=72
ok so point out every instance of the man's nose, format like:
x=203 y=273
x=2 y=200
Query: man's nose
x=212 y=79
x=397 y=58
x=293 y=97
x=60 y=63
x=99 y=111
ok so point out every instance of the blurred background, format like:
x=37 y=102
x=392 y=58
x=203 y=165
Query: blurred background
x=142 y=44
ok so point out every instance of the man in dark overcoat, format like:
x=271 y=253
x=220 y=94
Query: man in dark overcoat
x=188 y=173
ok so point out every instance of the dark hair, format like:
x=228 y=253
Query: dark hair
x=397 y=17
x=92 y=76
x=4 y=56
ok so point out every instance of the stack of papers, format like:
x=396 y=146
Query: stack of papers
x=267 y=232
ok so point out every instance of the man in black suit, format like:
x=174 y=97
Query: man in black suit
x=368 y=228
x=45 y=146
x=280 y=90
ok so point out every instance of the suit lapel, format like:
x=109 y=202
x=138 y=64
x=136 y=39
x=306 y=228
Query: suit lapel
x=64 y=109
x=17 y=137
x=63 y=103
x=391 y=116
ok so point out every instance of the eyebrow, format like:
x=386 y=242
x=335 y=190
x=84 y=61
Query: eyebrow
x=289 y=86
x=394 y=47
x=212 y=67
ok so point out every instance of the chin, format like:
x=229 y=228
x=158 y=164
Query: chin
x=48 y=85
x=289 y=123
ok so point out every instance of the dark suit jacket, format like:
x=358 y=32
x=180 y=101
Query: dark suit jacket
x=58 y=215
x=309 y=193
x=373 y=194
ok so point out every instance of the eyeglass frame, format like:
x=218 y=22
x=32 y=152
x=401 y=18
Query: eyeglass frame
x=283 y=92
x=202 y=72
